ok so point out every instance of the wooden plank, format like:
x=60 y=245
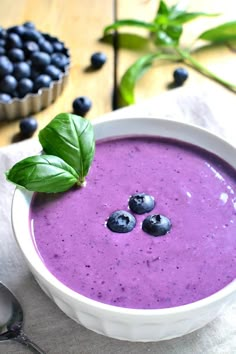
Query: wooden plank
x=220 y=60
x=79 y=24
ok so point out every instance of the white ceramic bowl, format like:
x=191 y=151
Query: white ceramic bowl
x=116 y=322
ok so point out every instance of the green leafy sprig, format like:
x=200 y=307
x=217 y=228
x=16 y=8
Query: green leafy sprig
x=165 y=32
x=68 y=150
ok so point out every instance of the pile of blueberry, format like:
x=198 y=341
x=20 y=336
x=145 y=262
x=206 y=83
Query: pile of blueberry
x=29 y=61
x=122 y=221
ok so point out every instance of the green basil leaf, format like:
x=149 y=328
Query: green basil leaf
x=184 y=17
x=163 y=8
x=222 y=33
x=135 y=71
x=169 y=37
x=133 y=23
x=43 y=173
x=71 y=138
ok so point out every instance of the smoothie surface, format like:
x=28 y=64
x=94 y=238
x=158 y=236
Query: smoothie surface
x=195 y=189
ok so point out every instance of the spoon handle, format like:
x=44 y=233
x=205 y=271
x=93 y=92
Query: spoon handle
x=23 y=339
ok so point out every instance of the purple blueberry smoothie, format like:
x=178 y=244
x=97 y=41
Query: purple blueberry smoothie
x=195 y=189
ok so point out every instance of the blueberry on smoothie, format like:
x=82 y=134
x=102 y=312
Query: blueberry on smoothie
x=156 y=225
x=121 y=221
x=141 y=203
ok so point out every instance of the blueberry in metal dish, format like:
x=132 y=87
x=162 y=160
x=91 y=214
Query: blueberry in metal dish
x=30 y=47
x=156 y=225
x=5 y=98
x=121 y=221
x=60 y=60
x=54 y=72
x=40 y=59
x=16 y=55
x=42 y=80
x=6 y=66
x=25 y=86
x=8 y=84
x=21 y=70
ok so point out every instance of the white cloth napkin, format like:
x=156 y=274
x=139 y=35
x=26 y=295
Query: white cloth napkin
x=44 y=322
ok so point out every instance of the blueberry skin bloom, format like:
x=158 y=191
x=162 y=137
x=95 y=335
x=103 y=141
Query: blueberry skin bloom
x=121 y=221
x=98 y=60
x=180 y=76
x=141 y=203
x=156 y=225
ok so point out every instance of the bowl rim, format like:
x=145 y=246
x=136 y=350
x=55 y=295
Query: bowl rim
x=65 y=290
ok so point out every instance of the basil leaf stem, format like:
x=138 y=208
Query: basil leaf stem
x=202 y=69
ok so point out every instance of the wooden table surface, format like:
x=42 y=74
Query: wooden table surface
x=80 y=23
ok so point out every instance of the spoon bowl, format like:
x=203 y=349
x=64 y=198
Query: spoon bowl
x=11 y=320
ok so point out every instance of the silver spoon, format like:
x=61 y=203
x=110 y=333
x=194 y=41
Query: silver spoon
x=11 y=320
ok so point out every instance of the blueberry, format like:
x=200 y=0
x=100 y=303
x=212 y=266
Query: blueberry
x=13 y=41
x=121 y=221
x=53 y=72
x=81 y=105
x=21 y=70
x=60 y=60
x=40 y=59
x=28 y=126
x=25 y=86
x=98 y=60
x=6 y=67
x=30 y=47
x=180 y=76
x=16 y=29
x=5 y=98
x=42 y=80
x=16 y=55
x=141 y=203
x=31 y=35
x=156 y=225
x=2 y=42
x=8 y=84
x=29 y=24
x=2 y=51
x=58 y=46
x=3 y=33
x=45 y=46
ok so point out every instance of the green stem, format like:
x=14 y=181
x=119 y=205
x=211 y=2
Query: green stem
x=188 y=59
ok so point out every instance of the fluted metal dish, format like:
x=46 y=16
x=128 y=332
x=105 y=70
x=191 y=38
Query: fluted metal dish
x=35 y=102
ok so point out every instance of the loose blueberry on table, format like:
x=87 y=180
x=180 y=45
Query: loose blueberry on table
x=141 y=203
x=98 y=60
x=180 y=76
x=29 y=61
x=81 y=105
x=28 y=126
